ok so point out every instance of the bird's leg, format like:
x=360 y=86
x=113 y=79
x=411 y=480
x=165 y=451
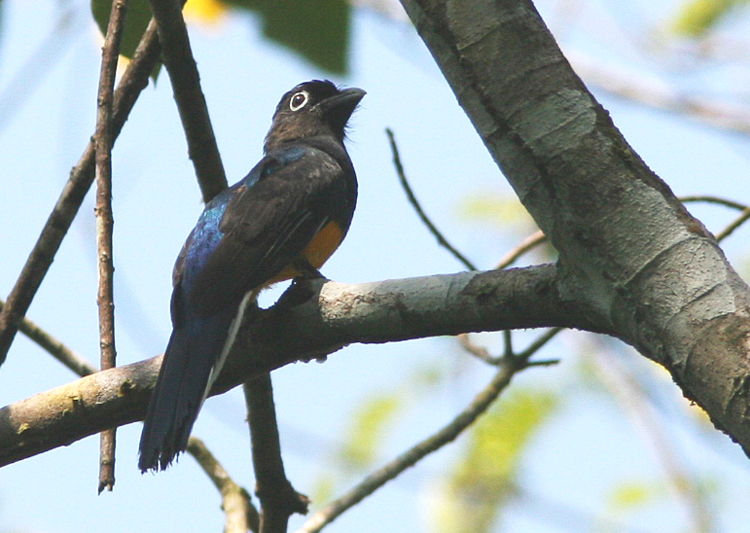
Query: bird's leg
x=306 y=270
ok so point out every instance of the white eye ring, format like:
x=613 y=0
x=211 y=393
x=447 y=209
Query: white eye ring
x=299 y=100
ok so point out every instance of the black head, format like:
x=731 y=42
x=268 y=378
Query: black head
x=312 y=109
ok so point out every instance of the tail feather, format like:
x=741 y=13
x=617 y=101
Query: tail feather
x=192 y=353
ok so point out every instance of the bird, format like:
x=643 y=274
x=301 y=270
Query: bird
x=281 y=221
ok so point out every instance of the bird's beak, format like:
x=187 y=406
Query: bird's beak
x=342 y=105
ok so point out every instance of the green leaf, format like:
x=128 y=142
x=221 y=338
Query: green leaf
x=136 y=21
x=698 y=17
x=485 y=478
x=634 y=494
x=498 y=209
x=370 y=426
x=317 y=30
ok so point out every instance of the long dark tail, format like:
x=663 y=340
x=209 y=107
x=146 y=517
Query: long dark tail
x=192 y=353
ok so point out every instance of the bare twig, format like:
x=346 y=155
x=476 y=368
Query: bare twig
x=132 y=83
x=418 y=208
x=507 y=369
x=104 y=221
x=480 y=352
x=278 y=499
x=183 y=73
x=241 y=514
x=630 y=396
x=713 y=200
x=736 y=223
x=529 y=243
x=721 y=115
x=55 y=348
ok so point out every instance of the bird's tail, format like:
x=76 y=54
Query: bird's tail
x=193 y=353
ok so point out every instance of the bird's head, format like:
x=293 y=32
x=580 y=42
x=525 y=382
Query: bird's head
x=312 y=109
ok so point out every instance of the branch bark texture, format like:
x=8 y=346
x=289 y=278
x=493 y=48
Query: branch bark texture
x=311 y=321
x=631 y=257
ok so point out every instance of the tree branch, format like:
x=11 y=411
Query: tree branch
x=55 y=347
x=104 y=221
x=659 y=95
x=278 y=499
x=508 y=364
x=241 y=514
x=312 y=319
x=183 y=74
x=133 y=81
x=418 y=207
x=629 y=251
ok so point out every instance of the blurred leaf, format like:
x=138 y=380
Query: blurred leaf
x=370 y=425
x=206 y=11
x=317 y=30
x=697 y=17
x=324 y=489
x=497 y=209
x=633 y=494
x=485 y=477
x=136 y=22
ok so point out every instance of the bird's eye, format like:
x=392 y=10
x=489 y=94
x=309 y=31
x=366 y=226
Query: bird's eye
x=299 y=100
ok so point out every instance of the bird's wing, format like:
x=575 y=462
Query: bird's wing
x=264 y=226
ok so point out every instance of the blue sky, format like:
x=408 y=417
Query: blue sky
x=43 y=130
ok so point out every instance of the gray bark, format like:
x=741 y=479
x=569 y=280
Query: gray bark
x=631 y=257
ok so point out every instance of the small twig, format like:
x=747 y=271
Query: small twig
x=736 y=223
x=55 y=348
x=713 y=200
x=183 y=74
x=540 y=341
x=278 y=499
x=543 y=362
x=480 y=352
x=105 y=222
x=133 y=81
x=378 y=478
x=241 y=514
x=721 y=115
x=418 y=208
x=529 y=243
x=630 y=395
x=508 y=366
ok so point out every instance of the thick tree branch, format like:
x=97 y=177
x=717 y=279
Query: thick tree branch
x=629 y=252
x=311 y=320
x=133 y=81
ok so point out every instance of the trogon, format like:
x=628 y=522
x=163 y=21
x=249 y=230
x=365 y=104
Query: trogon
x=284 y=219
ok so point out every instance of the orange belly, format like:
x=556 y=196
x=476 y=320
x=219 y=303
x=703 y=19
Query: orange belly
x=317 y=252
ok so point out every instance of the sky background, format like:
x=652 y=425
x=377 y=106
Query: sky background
x=49 y=68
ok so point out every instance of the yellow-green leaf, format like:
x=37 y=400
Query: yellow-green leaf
x=370 y=426
x=484 y=478
x=698 y=17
